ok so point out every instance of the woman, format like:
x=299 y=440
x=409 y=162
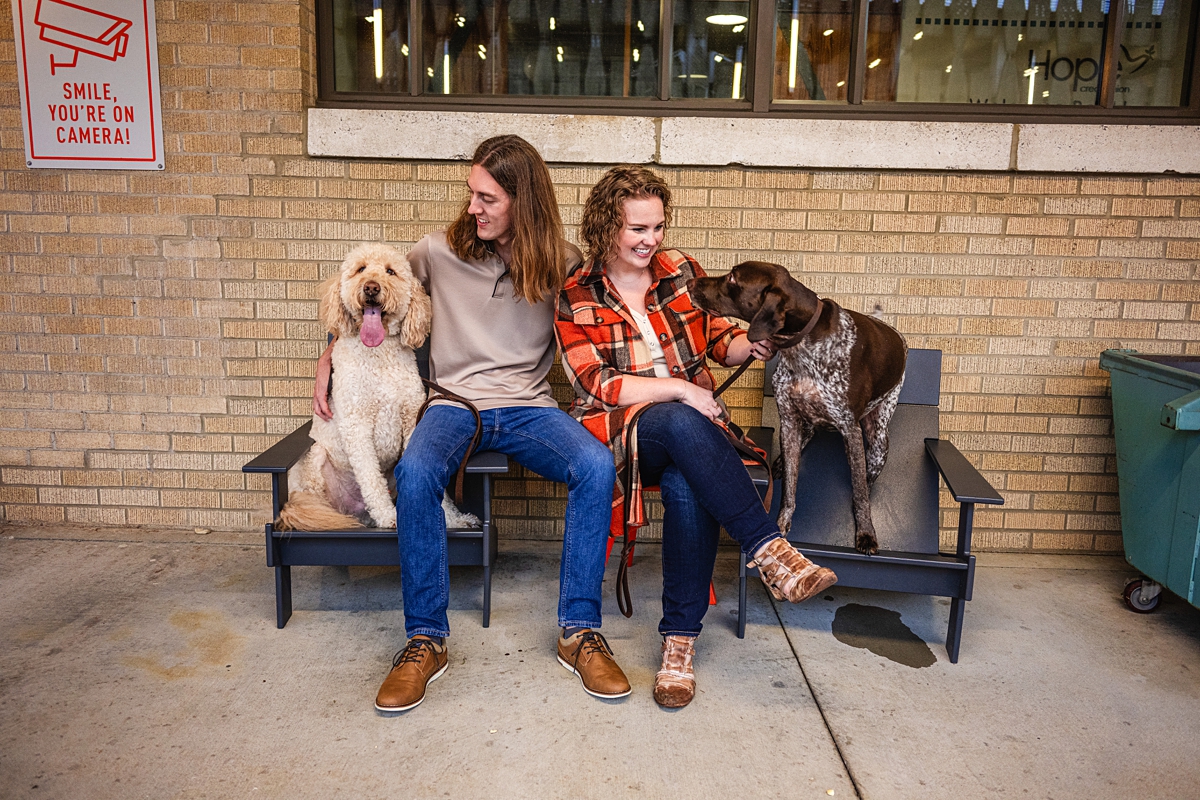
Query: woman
x=493 y=278
x=630 y=336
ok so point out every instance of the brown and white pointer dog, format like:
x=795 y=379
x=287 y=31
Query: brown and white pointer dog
x=840 y=370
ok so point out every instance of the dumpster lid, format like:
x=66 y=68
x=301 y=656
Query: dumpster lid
x=1177 y=370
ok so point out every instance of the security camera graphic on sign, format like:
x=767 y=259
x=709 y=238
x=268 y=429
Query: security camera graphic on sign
x=81 y=30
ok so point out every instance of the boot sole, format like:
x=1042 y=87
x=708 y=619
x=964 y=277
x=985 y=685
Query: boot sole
x=432 y=678
x=573 y=671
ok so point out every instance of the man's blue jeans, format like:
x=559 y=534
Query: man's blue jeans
x=704 y=487
x=544 y=440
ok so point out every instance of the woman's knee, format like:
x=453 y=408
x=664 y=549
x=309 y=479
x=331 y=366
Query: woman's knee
x=677 y=420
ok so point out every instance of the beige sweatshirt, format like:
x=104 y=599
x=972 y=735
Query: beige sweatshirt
x=491 y=348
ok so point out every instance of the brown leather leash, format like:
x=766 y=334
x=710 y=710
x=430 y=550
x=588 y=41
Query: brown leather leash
x=733 y=433
x=446 y=394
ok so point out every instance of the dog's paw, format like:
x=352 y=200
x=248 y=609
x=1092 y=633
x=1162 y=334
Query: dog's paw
x=456 y=518
x=385 y=519
x=866 y=543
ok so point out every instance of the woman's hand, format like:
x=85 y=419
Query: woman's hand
x=321 y=389
x=762 y=350
x=698 y=398
x=742 y=348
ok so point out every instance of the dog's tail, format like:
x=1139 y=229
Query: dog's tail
x=309 y=511
x=877 y=312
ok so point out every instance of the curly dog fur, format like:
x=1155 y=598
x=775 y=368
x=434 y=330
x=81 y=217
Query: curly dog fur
x=379 y=313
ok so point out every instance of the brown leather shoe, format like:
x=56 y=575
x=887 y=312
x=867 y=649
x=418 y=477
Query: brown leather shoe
x=675 y=683
x=420 y=663
x=589 y=656
x=788 y=574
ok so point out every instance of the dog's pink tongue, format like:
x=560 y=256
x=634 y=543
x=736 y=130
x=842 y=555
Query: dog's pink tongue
x=372 y=333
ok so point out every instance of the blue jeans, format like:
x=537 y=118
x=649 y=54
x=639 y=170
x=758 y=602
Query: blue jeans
x=544 y=440
x=704 y=486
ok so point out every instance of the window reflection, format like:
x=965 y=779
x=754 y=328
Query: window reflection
x=370 y=46
x=812 y=49
x=710 y=41
x=1152 y=54
x=541 y=47
x=1027 y=52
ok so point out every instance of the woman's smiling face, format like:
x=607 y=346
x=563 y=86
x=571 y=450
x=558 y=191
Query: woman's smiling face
x=641 y=233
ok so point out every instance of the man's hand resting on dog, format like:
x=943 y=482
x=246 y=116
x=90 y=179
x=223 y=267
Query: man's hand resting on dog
x=321 y=389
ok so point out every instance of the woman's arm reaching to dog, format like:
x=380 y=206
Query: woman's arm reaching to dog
x=321 y=389
x=742 y=348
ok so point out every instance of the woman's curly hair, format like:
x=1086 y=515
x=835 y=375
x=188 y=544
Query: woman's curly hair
x=604 y=210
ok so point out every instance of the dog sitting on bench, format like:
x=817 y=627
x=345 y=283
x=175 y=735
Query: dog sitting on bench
x=380 y=314
x=837 y=369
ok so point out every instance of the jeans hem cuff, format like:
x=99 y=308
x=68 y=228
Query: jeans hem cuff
x=692 y=634
x=574 y=623
x=758 y=545
x=427 y=632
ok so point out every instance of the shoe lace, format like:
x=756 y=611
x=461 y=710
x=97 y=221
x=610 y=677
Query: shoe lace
x=413 y=652
x=591 y=642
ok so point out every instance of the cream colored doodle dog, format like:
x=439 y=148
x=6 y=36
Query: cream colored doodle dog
x=379 y=313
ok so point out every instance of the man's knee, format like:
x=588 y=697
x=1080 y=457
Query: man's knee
x=593 y=464
x=417 y=473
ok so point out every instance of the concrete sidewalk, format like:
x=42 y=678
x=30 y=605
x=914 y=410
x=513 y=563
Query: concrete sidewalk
x=147 y=664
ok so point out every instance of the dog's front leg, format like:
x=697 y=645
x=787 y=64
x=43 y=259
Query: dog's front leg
x=360 y=448
x=790 y=442
x=864 y=529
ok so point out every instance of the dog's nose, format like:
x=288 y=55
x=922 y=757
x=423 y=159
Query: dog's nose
x=371 y=289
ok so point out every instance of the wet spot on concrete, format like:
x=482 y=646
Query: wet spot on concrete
x=881 y=631
x=209 y=642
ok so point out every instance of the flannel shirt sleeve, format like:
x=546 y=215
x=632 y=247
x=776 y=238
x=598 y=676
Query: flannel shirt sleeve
x=594 y=381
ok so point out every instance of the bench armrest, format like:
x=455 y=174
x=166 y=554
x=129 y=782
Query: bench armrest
x=280 y=457
x=962 y=479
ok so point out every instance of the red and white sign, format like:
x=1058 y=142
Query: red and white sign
x=88 y=73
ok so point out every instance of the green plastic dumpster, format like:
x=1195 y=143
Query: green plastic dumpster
x=1156 y=422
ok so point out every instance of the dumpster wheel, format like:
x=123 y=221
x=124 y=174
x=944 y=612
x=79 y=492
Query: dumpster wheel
x=1140 y=595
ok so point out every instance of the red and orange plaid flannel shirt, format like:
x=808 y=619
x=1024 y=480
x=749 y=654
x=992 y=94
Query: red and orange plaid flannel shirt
x=601 y=343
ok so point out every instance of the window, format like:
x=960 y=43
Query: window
x=1019 y=59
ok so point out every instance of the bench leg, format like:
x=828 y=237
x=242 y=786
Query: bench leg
x=741 y=623
x=487 y=595
x=283 y=595
x=958 y=608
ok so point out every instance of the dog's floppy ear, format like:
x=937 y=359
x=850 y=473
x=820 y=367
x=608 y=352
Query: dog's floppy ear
x=415 y=326
x=769 y=319
x=332 y=312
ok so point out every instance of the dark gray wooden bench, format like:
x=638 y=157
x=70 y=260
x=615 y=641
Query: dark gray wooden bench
x=372 y=546
x=904 y=503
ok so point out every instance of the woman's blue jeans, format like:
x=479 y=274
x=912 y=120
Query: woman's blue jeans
x=544 y=440
x=704 y=487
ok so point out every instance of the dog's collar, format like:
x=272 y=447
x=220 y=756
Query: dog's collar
x=805 y=331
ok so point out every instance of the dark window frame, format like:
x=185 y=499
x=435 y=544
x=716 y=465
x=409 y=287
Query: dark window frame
x=759 y=102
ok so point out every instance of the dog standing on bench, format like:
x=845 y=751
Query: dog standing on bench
x=837 y=369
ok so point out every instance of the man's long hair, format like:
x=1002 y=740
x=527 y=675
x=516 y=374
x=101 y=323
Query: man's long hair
x=538 y=266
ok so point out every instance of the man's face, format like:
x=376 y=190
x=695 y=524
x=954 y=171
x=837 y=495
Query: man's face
x=489 y=205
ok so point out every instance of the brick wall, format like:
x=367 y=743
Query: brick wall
x=158 y=329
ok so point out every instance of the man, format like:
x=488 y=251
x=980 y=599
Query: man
x=494 y=278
